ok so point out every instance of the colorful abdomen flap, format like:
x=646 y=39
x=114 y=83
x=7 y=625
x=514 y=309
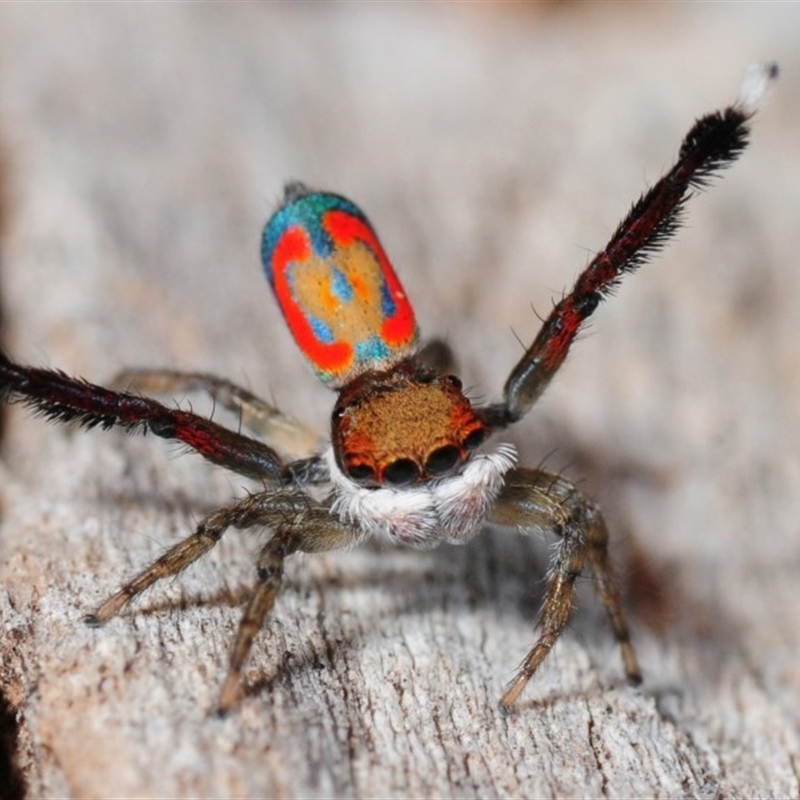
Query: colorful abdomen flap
x=336 y=288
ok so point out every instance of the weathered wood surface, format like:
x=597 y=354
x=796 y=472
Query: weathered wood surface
x=144 y=145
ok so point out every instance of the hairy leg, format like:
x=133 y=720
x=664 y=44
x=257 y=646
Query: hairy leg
x=312 y=529
x=61 y=398
x=714 y=142
x=279 y=430
x=537 y=501
x=298 y=524
x=242 y=514
x=305 y=527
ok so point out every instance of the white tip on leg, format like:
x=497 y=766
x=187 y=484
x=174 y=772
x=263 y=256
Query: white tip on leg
x=756 y=83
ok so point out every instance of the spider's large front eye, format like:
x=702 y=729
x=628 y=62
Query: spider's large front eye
x=401 y=472
x=443 y=459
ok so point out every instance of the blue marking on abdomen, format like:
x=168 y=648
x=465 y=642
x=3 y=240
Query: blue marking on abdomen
x=373 y=349
x=388 y=306
x=322 y=331
x=341 y=287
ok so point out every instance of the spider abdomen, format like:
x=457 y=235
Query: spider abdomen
x=335 y=285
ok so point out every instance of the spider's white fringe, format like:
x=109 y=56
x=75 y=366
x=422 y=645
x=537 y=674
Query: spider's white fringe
x=448 y=510
x=755 y=87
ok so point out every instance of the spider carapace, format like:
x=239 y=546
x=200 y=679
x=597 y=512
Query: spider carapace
x=409 y=456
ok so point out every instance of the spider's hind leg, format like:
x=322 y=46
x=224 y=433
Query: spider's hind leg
x=279 y=430
x=533 y=501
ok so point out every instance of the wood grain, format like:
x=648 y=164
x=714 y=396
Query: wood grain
x=144 y=146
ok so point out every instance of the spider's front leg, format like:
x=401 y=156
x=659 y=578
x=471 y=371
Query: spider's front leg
x=308 y=528
x=298 y=523
x=534 y=501
x=242 y=514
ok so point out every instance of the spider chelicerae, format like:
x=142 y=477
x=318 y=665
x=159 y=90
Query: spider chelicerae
x=408 y=457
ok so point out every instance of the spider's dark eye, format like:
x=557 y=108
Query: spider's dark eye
x=361 y=472
x=474 y=439
x=443 y=459
x=401 y=472
x=455 y=382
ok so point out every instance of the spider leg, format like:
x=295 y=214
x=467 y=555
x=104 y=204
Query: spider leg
x=278 y=429
x=270 y=577
x=241 y=514
x=436 y=354
x=537 y=501
x=63 y=399
x=299 y=525
x=714 y=142
x=311 y=528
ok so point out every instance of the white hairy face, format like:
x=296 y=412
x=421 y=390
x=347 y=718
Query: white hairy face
x=424 y=515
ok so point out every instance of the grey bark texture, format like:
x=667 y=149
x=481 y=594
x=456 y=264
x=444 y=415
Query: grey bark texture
x=495 y=147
